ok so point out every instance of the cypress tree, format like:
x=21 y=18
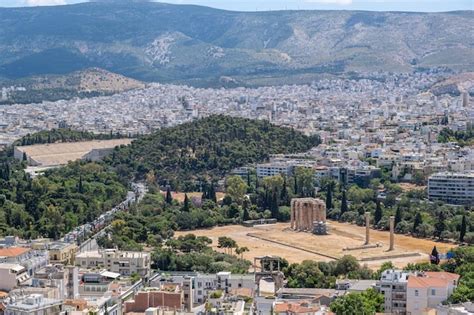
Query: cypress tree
x=169 y=197
x=329 y=197
x=212 y=193
x=416 y=223
x=80 y=187
x=462 y=232
x=440 y=226
x=398 y=216
x=245 y=206
x=378 y=212
x=344 y=202
x=274 y=205
x=25 y=158
x=186 y=205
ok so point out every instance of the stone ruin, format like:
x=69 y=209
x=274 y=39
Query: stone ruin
x=308 y=214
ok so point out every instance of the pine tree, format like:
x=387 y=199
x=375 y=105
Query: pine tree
x=398 y=216
x=169 y=197
x=416 y=223
x=186 y=205
x=344 y=202
x=462 y=232
x=378 y=212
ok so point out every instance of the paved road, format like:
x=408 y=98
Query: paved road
x=135 y=195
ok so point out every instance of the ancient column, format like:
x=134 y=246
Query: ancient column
x=292 y=215
x=392 y=228
x=367 y=228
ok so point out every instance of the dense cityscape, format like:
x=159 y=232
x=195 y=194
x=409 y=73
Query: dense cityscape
x=349 y=195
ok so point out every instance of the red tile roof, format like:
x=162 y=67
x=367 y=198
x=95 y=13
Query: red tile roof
x=13 y=251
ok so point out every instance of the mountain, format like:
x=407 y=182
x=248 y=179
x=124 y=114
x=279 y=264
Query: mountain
x=83 y=83
x=200 y=45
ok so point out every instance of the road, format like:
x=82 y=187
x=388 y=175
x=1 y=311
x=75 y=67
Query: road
x=98 y=225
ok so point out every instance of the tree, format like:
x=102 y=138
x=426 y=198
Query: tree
x=378 y=213
x=434 y=257
x=367 y=302
x=245 y=212
x=169 y=197
x=440 y=224
x=236 y=188
x=329 y=190
x=305 y=181
x=344 y=207
x=186 y=204
x=398 y=215
x=417 y=222
x=462 y=231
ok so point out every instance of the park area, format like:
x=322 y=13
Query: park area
x=279 y=240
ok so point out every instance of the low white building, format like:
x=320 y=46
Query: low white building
x=33 y=305
x=123 y=262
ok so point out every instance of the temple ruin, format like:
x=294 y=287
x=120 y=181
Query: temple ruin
x=308 y=214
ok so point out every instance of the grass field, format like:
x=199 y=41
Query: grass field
x=279 y=240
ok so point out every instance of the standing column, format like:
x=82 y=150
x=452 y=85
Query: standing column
x=392 y=228
x=367 y=229
x=292 y=215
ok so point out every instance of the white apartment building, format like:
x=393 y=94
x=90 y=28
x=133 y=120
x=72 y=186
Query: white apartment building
x=11 y=275
x=122 y=262
x=428 y=290
x=456 y=188
x=204 y=284
x=272 y=169
x=393 y=286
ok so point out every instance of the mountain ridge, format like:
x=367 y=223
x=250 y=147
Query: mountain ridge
x=190 y=44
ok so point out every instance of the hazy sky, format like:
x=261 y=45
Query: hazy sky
x=259 y=5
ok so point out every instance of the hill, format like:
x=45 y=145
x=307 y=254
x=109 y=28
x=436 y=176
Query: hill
x=205 y=150
x=205 y=46
x=83 y=83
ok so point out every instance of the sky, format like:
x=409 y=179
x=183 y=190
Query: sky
x=261 y=5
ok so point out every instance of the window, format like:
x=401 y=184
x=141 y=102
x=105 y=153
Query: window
x=416 y=293
x=433 y=292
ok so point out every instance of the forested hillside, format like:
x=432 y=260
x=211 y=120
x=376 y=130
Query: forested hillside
x=53 y=204
x=206 y=150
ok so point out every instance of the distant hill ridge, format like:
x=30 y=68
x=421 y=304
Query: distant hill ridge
x=83 y=83
x=199 y=45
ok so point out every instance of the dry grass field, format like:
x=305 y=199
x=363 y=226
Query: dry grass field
x=279 y=240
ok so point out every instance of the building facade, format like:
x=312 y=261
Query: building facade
x=455 y=188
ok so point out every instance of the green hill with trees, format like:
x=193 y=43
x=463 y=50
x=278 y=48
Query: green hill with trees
x=205 y=150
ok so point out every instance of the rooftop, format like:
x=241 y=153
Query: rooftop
x=13 y=251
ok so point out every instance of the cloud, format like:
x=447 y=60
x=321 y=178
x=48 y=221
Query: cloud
x=44 y=2
x=338 y=2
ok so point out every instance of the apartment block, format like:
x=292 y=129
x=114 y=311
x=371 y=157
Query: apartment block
x=455 y=188
x=123 y=262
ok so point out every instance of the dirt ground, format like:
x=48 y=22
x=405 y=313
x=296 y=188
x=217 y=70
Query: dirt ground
x=279 y=240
